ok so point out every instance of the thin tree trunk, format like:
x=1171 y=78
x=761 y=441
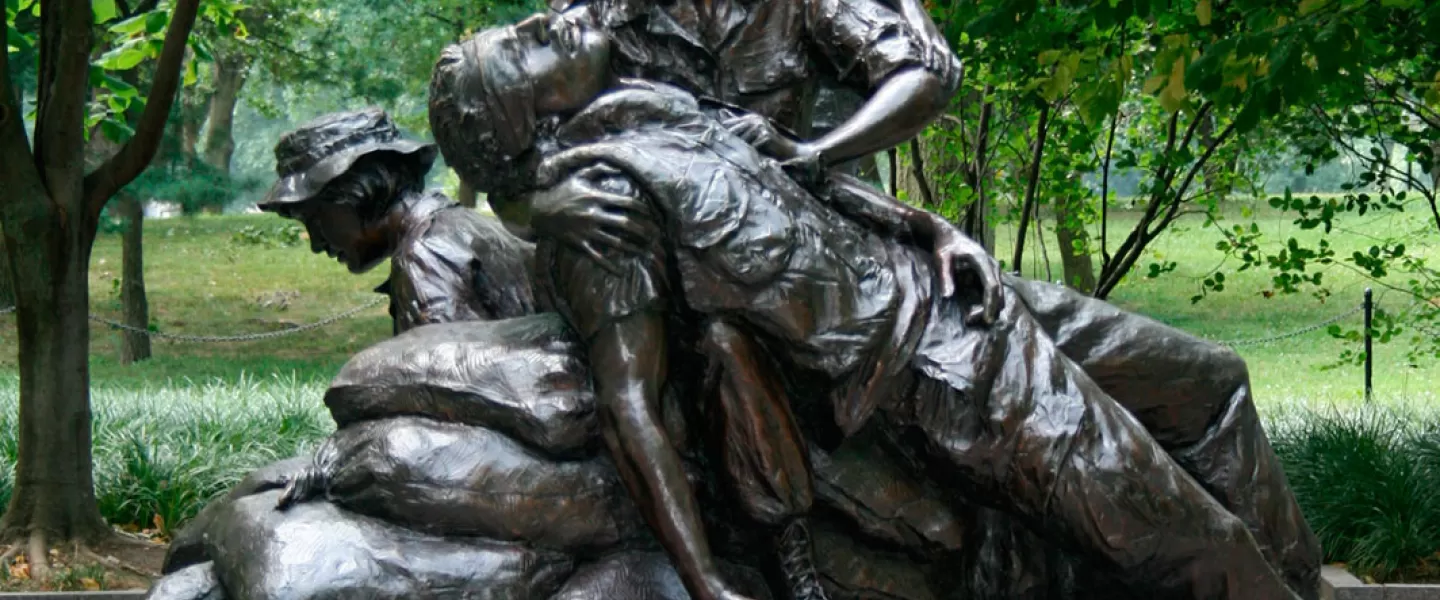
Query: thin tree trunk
x=977 y=226
x=1105 y=191
x=7 y=289
x=1028 y=208
x=134 y=346
x=220 y=140
x=917 y=171
x=1073 y=240
x=467 y=196
x=894 y=187
x=1435 y=169
x=195 y=108
x=54 y=493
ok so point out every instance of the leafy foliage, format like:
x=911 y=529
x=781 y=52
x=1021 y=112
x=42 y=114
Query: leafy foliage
x=1366 y=480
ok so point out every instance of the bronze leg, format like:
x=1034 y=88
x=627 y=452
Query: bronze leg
x=761 y=449
x=1194 y=398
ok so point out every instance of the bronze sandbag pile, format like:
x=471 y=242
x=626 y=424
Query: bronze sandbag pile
x=467 y=464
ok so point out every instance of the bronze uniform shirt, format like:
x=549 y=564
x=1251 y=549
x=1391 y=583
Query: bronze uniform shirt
x=767 y=56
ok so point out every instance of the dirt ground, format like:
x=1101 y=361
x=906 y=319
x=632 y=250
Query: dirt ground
x=120 y=563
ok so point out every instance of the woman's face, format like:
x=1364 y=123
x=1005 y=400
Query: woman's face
x=567 y=61
x=337 y=229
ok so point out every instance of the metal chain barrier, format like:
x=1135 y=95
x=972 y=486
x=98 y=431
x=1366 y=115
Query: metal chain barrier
x=1296 y=333
x=249 y=337
x=352 y=312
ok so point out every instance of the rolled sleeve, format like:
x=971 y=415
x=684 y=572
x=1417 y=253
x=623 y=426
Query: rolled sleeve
x=863 y=40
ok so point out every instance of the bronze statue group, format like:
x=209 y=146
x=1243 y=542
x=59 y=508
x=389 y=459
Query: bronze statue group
x=695 y=357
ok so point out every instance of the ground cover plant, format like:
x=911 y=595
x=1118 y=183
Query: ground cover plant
x=1368 y=478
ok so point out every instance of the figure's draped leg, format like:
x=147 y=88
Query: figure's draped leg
x=1032 y=435
x=761 y=449
x=1194 y=398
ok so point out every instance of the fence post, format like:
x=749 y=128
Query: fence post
x=1369 y=354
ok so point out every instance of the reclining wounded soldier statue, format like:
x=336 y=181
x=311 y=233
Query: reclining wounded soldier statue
x=967 y=394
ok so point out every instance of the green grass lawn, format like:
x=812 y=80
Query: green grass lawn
x=202 y=281
x=1290 y=369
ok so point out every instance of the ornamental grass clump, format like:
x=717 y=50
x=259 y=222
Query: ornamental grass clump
x=1368 y=481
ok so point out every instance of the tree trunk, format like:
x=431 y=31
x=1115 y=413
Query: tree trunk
x=1074 y=241
x=134 y=346
x=220 y=141
x=467 y=195
x=194 y=108
x=7 y=292
x=51 y=209
x=1435 y=168
x=54 y=493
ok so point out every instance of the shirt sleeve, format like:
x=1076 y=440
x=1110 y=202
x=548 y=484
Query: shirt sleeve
x=863 y=40
x=430 y=285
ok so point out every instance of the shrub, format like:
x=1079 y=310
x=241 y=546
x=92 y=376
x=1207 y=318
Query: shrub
x=162 y=453
x=1368 y=480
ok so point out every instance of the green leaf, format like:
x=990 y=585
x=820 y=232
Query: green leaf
x=201 y=51
x=156 y=21
x=116 y=131
x=121 y=89
x=130 y=26
x=1309 y=6
x=125 y=57
x=104 y=10
x=21 y=42
x=1202 y=12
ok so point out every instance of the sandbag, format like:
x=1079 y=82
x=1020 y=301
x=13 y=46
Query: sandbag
x=451 y=479
x=187 y=546
x=648 y=576
x=317 y=551
x=865 y=483
x=195 y=582
x=525 y=377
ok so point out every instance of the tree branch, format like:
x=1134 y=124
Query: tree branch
x=917 y=167
x=132 y=159
x=1042 y=130
x=1189 y=178
x=1105 y=190
x=19 y=163
x=64 y=81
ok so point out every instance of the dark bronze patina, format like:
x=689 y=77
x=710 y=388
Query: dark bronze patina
x=1000 y=409
x=358 y=187
x=745 y=336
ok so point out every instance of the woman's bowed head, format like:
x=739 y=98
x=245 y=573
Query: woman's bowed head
x=342 y=175
x=490 y=92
